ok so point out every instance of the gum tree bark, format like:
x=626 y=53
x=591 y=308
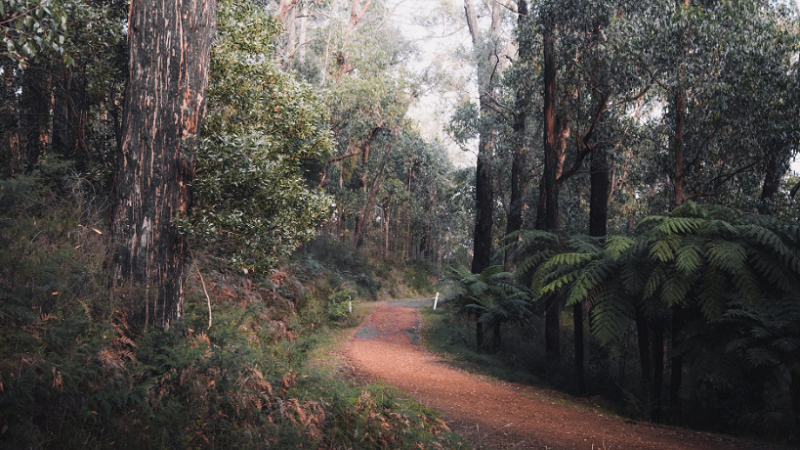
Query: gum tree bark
x=169 y=58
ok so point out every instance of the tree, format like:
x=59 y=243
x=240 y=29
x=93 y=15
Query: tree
x=487 y=47
x=170 y=57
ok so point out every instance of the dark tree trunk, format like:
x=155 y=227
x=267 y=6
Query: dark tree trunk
x=521 y=107
x=70 y=118
x=486 y=65
x=478 y=333
x=363 y=216
x=795 y=393
x=170 y=51
x=598 y=223
x=551 y=164
x=541 y=206
x=577 y=318
x=774 y=171
x=34 y=114
x=482 y=246
x=642 y=334
x=680 y=123
x=676 y=374
x=658 y=372
x=600 y=179
x=10 y=159
x=498 y=337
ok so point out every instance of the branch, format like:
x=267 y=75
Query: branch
x=24 y=13
x=583 y=141
x=794 y=190
x=356 y=15
x=299 y=46
x=698 y=195
x=631 y=99
x=345 y=156
x=203 y=283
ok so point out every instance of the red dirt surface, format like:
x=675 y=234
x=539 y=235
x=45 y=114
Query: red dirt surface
x=500 y=415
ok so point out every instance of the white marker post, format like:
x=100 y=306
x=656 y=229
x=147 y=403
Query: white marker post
x=435 y=301
x=350 y=304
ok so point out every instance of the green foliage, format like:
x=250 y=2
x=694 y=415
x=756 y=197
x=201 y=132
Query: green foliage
x=339 y=303
x=264 y=130
x=490 y=296
x=30 y=28
x=73 y=374
x=732 y=277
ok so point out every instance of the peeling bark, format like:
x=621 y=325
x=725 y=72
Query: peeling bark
x=170 y=51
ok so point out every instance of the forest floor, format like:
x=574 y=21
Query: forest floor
x=493 y=414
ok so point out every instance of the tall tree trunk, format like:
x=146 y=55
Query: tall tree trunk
x=521 y=107
x=363 y=216
x=478 y=333
x=658 y=372
x=676 y=375
x=600 y=180
x=12 y=159
x=680 y=124
x=642 y=334
x=69 y=118
x=487 y=61
x=169 y=46
x=774 y=171
x=408 y=212
x=679 y=197
x=551 y=157
x=34 y=114
x=386 y=213
x=795 y=394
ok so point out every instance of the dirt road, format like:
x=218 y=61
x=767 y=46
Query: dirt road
x=498 y=415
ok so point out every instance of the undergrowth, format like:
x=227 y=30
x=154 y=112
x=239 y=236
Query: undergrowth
x=75 y=374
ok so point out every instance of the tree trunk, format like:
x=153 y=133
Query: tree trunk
x=478 y=333
x=170 y=50
x=795 y=393
x=658 y=372
x=12 y=159
x=577 y=321
x=363 y=217
x=774 y=171
x=486 y=64
x=34 y=114
x=676 y=375
x=600 y=180
x=680 y=123
x=642 y=334
x=551 y=163
x=521 y=107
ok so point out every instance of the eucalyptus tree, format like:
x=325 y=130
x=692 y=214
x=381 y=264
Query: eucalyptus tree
x=169 y=52
x=488 y=50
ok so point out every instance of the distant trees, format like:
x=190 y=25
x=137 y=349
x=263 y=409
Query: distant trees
x=611 y=112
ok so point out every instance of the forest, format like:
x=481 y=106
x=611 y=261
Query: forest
x=201 y=203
